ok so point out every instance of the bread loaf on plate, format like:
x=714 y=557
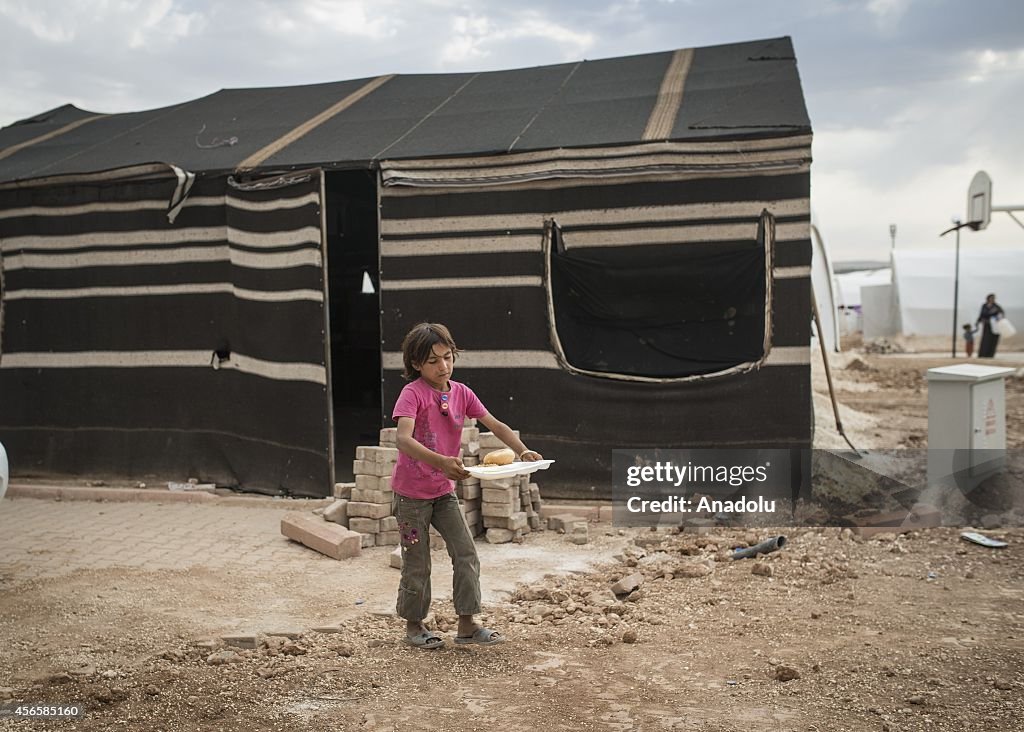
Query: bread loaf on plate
x=500 y=457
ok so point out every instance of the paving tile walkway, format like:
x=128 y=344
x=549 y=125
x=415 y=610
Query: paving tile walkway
x=46 y=538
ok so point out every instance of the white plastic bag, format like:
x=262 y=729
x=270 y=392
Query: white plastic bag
x=1003 y=327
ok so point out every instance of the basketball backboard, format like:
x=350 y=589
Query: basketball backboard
x=979 y=201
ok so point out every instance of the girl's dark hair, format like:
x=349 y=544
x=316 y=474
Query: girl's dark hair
x=419 y=343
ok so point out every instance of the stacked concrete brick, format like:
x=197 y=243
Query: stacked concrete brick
x=370 y=505
x=468 y=490
x=510 y=506
x=504 y=509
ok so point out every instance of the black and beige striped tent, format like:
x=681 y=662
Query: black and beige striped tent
x=218 y=289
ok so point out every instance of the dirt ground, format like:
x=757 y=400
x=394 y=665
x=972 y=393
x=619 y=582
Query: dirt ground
x=921 y=631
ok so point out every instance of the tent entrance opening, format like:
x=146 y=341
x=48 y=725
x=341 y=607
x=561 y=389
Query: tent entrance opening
x=354 y=293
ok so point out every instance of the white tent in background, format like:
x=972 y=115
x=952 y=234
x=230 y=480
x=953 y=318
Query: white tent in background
x=848 y=295
x=823 y=288
x=924 y=286
x=880 y=315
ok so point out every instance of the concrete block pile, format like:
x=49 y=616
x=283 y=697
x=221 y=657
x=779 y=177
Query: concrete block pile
x=370 y=507
x=510 y=507
x=468 y=490
x=362 y=512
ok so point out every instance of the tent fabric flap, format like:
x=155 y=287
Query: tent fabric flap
x=632 y=312
x=142 y=348
x=737 y=156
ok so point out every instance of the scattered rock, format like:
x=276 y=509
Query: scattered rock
x=649 y=540
x=629 y=636
x=533 y=593
x=247 y=641
x=221 y=657
x=785 y=673
x=692 y=570
x=345 y=650
x=762 y=569
x=61 y=677
x=291 y=648
x=208 y=644
x=579 y=533
x=627 y=584
x=601 y=599
x=858 y=364
x=107 y=695
x=883 y=345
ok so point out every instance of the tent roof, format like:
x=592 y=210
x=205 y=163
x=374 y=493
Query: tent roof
x=745 y=90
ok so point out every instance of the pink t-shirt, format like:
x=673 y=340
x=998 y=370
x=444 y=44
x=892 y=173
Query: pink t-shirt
x=434 y=429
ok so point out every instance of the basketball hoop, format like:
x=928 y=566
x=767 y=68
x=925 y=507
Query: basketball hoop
x=979 y=201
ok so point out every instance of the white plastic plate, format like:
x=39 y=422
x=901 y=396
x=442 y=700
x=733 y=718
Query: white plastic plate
x=493 y=472
x=982 y=540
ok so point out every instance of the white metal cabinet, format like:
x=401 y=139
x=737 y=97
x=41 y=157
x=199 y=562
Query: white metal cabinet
x=966 y=423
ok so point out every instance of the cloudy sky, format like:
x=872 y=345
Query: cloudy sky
x=908 y=98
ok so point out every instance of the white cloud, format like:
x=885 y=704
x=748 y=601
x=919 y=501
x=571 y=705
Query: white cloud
x=983 y=65
x=887 y=12
x=51 y=27
x=103 y=22
x=468 y=37
x=475 y=37
x=575 y=42
x=353 y=17
x=161 y=25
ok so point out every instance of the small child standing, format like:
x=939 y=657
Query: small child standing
x=430 y=413
x=969 y=339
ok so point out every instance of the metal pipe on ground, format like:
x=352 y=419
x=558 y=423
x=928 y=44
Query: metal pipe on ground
x=765 y=547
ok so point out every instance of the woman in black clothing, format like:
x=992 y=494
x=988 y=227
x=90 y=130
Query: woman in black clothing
x=989 y=340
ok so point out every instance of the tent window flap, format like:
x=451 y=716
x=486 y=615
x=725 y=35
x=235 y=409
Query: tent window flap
x=660 y=311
